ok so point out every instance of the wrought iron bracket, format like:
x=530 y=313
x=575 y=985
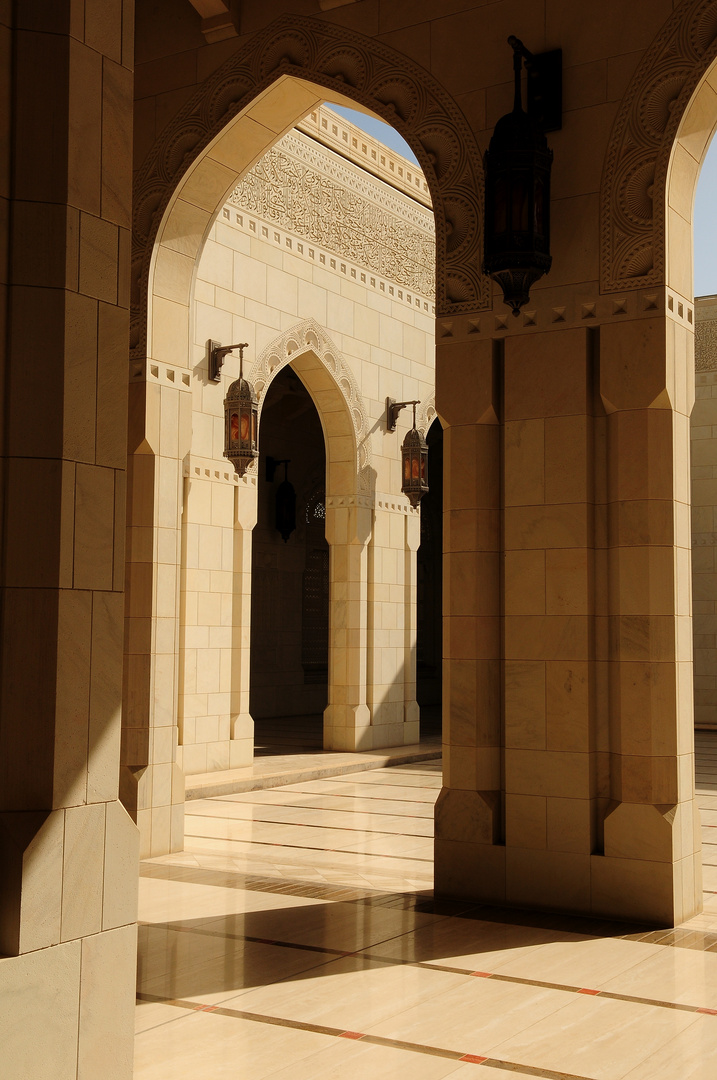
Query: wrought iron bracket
x=217 y=353
x=393 y=408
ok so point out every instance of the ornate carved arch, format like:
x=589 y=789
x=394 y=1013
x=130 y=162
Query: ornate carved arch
x=633 y=193
x=357 y=67
x=426 y=413
x=310 y=337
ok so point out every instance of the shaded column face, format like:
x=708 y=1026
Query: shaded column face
x=429 y=664
x=290 y=569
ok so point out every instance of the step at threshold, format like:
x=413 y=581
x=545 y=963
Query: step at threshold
x=279 y=770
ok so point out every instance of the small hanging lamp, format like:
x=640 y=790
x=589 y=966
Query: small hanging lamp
x=414 y=453
x=517 y=186
x=241 y=413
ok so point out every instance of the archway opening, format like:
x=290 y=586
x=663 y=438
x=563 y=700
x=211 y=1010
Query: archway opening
x=290 y=573
x=429 y=581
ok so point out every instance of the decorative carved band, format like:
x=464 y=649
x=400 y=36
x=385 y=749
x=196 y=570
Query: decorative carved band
x=706 y=345
x=633 y=193
x=374 y=75
x=302 y=188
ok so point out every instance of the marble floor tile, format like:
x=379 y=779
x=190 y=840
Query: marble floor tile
x=296 y=939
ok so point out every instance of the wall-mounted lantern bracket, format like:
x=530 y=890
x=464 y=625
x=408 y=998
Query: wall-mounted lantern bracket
x=217 y=352
x=393 y=408
x=544 y=95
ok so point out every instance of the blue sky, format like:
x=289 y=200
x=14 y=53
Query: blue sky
x=705 y=222
x=705 y=215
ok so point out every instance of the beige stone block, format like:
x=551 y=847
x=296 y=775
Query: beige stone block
x=641 y=463
x=567 y=474
x=568 y=581
x=105 y=696
x=567 y=695
x=647 y=708
x=633 y=371
x=98 y=258
x=170 y=333
x=283 y=104
x=525 y=704
x=74 y=642
x=545 y=772
x=33 y=500
x=94 y=527
x=641 y=779
x=524 y=582
x=208 y=184
x=525 y=821
x=635 y=889
x=468 y=816
x=570 y=825
x=40 y=1009
x=31 y=845
x=469 y=871
x=107 y=1002
x=83 y=860
x=550 y=637
x=546 y=374
x=471 y=467
x=644 y=831
x=552 y=526
x=548 y=879
x=113 y=334
x=524 y=463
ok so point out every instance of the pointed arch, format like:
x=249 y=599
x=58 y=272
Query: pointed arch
x=335 y=392
x=657 y=112
x=257 y=95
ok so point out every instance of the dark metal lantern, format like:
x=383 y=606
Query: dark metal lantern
x=517 y=184
x=241 y=418
x=414 y=464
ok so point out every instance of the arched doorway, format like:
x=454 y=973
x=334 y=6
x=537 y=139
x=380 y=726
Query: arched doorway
x=290 y=573
x=174 y=233
x=429 y=659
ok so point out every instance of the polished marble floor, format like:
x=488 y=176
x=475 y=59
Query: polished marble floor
x=297 y=938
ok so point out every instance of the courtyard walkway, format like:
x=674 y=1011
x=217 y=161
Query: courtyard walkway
x=297 y=938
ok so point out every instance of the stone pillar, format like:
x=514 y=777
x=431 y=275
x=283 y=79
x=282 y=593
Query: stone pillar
x=551 y=740
x=347 y=721
x=241 y=748
x=67 y=847
x=703 y=427
x=651 y=866
x=152 y=784
x=411 y=713
x=593 y=759
x=469 y=855
x=391 y=675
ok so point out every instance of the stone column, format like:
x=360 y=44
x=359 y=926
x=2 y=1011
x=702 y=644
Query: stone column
x=152 y=784
x=67 y=847
x=551 y=731
x=651 y=866
x=241 y=748
x=347 y=721
x=391 y=675
x=469 y=855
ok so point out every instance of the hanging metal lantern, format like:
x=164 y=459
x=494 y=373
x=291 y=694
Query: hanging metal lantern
x=414 y=464
x=517 y=184
x=241 y=417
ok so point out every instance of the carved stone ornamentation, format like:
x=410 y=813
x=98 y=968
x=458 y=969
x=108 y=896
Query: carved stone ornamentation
x=706 y=345
x=309 y=336
x=633 y=194
x=375 y=76
x=298 y=187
